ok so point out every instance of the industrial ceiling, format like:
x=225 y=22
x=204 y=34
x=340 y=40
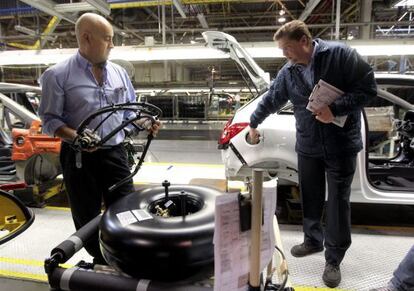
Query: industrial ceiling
x=181 y=21
x=42 y=24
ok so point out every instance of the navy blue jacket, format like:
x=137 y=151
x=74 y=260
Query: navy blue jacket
x=345 y=69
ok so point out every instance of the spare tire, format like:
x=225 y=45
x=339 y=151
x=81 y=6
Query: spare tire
x=137 y=241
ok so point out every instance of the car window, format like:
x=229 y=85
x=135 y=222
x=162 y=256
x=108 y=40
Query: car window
x=381 y=116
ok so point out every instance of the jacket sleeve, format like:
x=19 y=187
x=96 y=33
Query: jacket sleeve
x=360 y=83
x=273 y=100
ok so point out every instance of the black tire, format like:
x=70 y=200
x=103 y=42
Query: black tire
x=162 y=249
x=42 y=168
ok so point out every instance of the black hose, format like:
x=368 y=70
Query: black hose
x=141 y=160
x=75 y=242
x=86 y=280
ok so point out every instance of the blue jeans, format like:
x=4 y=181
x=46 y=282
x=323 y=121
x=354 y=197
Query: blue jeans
x=403 y=278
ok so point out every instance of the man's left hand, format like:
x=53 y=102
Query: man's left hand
x=325 y=115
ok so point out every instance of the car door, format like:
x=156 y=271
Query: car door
x=385 y=166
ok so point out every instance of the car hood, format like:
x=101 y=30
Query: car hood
x=229 y=45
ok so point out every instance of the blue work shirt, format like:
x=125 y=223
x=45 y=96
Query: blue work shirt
x=70 y=93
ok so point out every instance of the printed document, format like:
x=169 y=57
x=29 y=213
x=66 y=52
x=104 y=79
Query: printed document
x=324 y=94
x=232 y=247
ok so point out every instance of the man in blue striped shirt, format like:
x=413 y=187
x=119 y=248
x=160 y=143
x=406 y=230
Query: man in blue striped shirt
x=71 y=91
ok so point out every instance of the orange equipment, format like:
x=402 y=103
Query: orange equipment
x=30 y=142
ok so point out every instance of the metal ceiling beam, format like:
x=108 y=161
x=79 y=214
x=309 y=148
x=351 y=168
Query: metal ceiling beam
x=310 y=6
x=202 y=20
x=148 y=3
x=100 y=5
x=179 y=7
x=50 y=28
x=48 y=7
x=271 y=27
x=44 y=37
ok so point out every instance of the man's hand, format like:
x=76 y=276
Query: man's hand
x=324 y=115
x=254 y=136
x=155 y=127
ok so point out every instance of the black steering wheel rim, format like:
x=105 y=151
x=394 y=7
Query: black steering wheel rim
x=137 y=107
x=142 y=110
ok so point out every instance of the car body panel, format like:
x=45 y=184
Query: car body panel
x=276 y=154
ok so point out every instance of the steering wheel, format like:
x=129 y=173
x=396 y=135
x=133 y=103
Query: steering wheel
x=88 y=138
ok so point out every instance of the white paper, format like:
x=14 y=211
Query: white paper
x=126 y=218
x=323 y=94
x=231 y=247
x=142 y=214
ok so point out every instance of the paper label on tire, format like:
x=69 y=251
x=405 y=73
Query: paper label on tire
x=126 y=218
x=142 y=214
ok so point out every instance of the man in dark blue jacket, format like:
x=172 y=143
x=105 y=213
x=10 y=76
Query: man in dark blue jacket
x=323 y=148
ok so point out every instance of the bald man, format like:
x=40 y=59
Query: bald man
x=71 y=91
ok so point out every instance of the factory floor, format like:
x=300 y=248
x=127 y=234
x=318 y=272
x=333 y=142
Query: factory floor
x=375 y=252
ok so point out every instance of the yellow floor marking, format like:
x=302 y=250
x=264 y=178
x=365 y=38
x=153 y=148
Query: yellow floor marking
x=26 y=262
x=22 y=275
x=185 y=165
x=57 y=208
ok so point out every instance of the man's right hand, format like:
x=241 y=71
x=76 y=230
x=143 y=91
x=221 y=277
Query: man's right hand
x=254 y=136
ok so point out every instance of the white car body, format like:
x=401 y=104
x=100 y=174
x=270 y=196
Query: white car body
x=275 y=153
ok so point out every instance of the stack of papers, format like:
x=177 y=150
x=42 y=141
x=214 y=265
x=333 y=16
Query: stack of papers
x=323 y=94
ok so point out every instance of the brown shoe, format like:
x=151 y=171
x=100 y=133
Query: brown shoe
x=304 y=250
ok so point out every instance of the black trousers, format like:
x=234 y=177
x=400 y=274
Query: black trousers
x=88 y=185
x=339 y=174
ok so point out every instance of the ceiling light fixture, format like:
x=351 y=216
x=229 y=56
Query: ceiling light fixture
x=48 y=7
x=193 y=52
x=281 y=19
x=25 y=30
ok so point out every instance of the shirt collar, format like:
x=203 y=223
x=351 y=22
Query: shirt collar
x=83 y=62
x=316 y=49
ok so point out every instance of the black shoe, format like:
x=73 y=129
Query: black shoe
x=389 y=287
x=331 y=275
x=304 y=250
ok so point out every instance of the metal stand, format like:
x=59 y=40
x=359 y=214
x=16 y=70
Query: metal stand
x=255 y=269
x=254 y=275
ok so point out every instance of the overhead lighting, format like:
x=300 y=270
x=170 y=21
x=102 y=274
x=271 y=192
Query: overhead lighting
x=193 y=52
x=282 y=12
x=405 y=3
x=48 y=7
x=179 y=7
x=25 y=30
x=202 y=20
x=281 y=19
x=73 y=7
x=31 y=32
